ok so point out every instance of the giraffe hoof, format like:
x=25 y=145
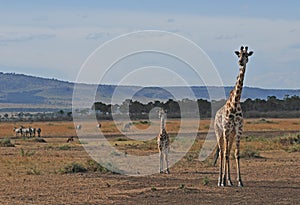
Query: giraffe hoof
x=229 y=183
x=240 y=184
x=161 y=172
x=167 y=171
x=221 y=184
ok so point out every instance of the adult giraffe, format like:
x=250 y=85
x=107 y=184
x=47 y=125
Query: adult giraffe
x=229 y=123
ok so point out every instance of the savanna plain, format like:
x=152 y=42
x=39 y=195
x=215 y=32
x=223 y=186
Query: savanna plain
x=50 y=170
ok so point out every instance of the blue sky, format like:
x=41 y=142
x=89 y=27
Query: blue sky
x=54 y=38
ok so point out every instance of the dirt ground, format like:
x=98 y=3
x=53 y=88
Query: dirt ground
x=30 y=173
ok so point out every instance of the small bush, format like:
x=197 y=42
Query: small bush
x=72 y=168
x=6 y=143
x=249 y=152
x=205 y=181
x=94 y=166
x=294 y=148
x=144 y=122
x=290 y=140
x=121 y=139
x=113 y=168
x=181 y=186
x=153 y=188
x=64 y=147
x=39 y=139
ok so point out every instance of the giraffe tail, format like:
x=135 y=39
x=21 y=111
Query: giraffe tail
x=216 y=156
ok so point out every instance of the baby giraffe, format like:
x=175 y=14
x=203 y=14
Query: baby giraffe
x=163 y=143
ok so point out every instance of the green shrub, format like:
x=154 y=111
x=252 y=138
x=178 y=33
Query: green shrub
x=294 y=148
x=6 y=143
x=144 y=122
x=39 y=139
x=121 y=139
x=289 y=140
x=72 y=168
x=94 y=166
x=181 y=186
x=205 y=181
x=64 y=147
x=27 y=153
x=249 y=152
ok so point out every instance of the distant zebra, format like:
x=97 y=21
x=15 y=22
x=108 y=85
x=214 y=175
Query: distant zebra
x=26 y=132
x=33 y=131
x=18 y=131
x=39 y=132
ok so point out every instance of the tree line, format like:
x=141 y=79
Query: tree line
x=289 y=107
x=272 y=107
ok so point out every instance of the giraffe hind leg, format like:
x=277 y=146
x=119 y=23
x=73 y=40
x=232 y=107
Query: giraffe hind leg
x=160 y=161
x=226 y=159
x=221 y=167
x=237 y=158
x=166 y=161
x=230 y=142
x=220 y=140
x=229 y=182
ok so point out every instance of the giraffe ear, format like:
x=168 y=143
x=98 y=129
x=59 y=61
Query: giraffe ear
x=250 y=53
x=237 y=53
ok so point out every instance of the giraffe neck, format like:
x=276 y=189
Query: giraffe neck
x=237 y=91
x=162 y=124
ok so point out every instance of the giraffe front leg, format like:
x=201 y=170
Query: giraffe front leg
x=221 y=155
x=237 y=158
x=229 y=182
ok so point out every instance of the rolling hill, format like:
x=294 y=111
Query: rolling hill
x=19 y=90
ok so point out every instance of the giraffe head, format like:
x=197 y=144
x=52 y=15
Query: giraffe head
x=162 y=113
x=243 y=55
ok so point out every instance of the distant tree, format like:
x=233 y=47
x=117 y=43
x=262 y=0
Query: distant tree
x=69 y=114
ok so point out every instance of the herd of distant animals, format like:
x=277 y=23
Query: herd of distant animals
x=228 y=127
x=27 y=132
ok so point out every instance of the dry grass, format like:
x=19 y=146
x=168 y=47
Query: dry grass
x=173 y=126
x=30 y=172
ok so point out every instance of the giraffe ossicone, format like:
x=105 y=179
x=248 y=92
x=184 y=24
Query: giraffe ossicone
x=228 y=123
